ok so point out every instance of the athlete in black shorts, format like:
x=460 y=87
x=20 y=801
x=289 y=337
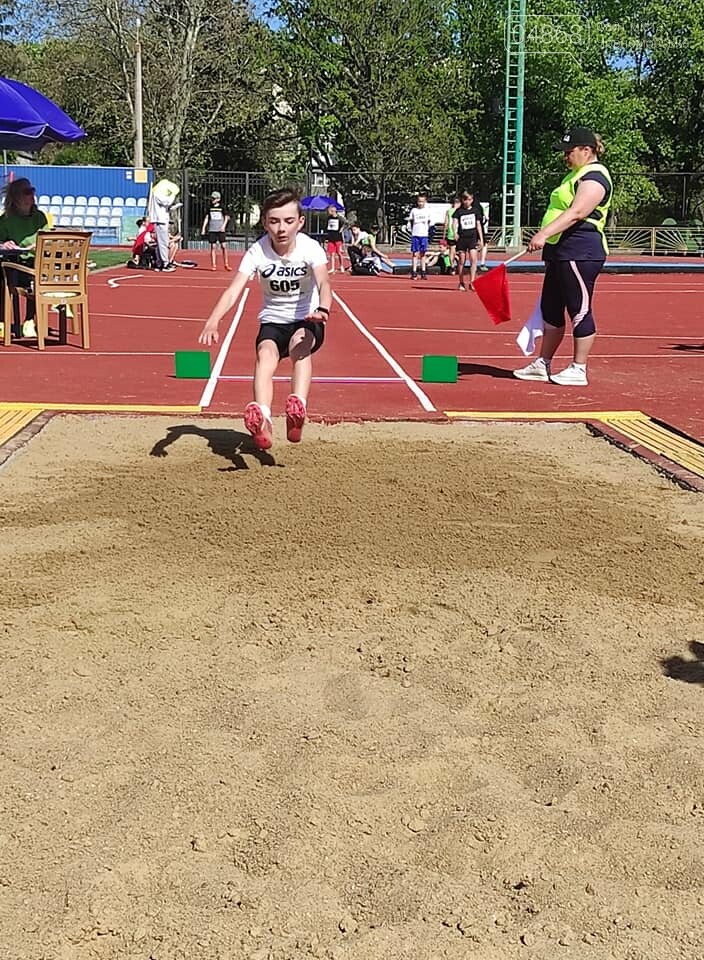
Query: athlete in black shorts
x=214 y=227
x=468 y=229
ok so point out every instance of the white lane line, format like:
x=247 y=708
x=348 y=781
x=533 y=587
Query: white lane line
x=114 y=282
x=76 y=355
x=626 y=290
x=678 y=355
x=395 y=366
x=146 y=316
x=503 y=333
x=222 y=354
x=329 y=379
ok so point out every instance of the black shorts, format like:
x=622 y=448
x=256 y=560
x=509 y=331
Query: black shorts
x=216 y=237
x=467 y=243
x=281 y=334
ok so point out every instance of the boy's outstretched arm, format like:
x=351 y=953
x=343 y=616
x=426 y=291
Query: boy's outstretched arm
x=229 y=297
x=324 y=292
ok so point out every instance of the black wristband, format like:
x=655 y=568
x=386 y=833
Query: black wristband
x=322 y=310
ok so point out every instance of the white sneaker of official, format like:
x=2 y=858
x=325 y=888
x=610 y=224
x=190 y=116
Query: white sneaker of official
x=572 y=376
x=537 y=370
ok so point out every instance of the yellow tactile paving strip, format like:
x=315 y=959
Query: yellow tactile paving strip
x=658 y=439
x=632 y=424
x=13 y=420
x=550 y=415
x=14 y=417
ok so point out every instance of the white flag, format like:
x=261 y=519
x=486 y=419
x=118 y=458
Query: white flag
x=531 y=330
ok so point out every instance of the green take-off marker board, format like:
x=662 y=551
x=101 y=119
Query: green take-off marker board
x=438 y=369
x=192 y=364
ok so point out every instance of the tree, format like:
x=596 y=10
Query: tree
x=200 y=74
x=371 y=86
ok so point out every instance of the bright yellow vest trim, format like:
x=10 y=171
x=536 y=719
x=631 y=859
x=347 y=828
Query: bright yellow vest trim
x=561 y=198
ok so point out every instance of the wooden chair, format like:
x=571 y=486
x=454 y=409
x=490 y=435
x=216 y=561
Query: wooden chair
x=59 y=279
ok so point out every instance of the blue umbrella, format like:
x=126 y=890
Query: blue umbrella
x=29 y=120
x=320 y=203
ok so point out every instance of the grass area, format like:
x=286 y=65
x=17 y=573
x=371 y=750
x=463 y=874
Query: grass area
x=107 y=258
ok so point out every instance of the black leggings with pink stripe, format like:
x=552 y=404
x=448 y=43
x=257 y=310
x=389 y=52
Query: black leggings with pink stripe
x=569 y=285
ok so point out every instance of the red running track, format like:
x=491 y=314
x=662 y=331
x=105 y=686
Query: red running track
x=649 y=354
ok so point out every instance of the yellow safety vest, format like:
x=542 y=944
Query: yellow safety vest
x=561 y=198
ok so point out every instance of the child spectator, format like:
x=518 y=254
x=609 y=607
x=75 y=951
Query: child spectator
x=420 y=222
x=214 y=227
x=333 y=232
x=174 y=245
x=144 y=246
x=451 y=232
x=361 y=238
x=469 y=234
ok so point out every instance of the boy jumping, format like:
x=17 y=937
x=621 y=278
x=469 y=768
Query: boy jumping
x=293 y=275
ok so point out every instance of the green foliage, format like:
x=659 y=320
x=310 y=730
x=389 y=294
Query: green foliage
x=201 y=85
x=203 y=78
x=367 y=83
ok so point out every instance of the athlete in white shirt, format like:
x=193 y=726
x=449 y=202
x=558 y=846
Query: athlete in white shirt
x=420 y=221
x=293 y=276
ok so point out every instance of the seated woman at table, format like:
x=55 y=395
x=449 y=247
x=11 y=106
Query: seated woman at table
x=19 y=224
x=21 y=218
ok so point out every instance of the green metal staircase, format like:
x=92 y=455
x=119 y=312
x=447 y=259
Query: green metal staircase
x=513 y=124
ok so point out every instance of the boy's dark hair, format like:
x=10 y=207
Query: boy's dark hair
x=279 y=198
x=468 y=194
x=422 y=193
x=140 y=221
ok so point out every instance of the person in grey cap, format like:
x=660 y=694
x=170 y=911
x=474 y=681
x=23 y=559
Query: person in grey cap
x=214 y=227
x=573 y=242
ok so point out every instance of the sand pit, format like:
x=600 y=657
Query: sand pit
x=406 y=692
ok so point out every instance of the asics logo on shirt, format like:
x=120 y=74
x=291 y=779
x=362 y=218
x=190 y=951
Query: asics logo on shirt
x=281 y=271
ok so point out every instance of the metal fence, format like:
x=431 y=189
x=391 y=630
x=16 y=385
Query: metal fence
x=670 y=200
x=642 y=199
x=242 y=193
x=675 y=241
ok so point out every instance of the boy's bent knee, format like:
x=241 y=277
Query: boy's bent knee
x=267 y=352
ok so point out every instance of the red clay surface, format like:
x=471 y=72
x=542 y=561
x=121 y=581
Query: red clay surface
x=649 y=355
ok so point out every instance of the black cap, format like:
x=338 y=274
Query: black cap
x=577 y=137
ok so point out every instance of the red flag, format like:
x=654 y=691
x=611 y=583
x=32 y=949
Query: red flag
x=492 y=290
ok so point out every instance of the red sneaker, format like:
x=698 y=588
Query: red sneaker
x=295 y=418
x=258 y=426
